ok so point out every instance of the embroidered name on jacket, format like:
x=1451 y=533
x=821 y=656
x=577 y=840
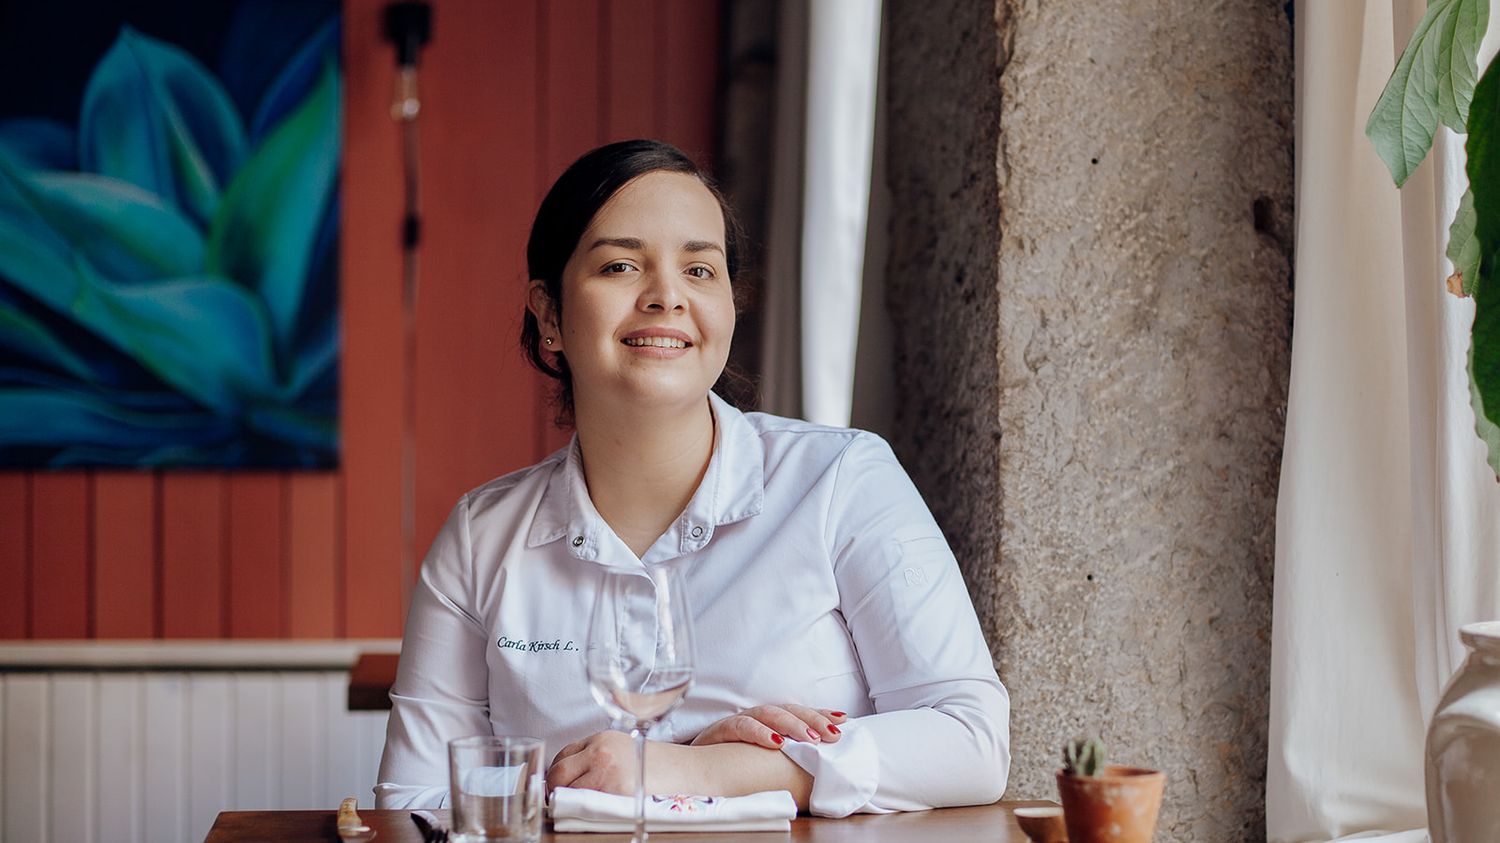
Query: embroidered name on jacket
x=535 y=646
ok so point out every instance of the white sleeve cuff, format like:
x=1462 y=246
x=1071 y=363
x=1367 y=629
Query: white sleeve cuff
x=845 y=774
x=394 y=796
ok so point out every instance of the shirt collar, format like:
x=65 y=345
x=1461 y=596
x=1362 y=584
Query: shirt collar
x=733 y=489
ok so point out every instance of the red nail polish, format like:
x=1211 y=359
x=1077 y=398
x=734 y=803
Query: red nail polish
x=777 y=738
x=838 y=714
x=834 y=729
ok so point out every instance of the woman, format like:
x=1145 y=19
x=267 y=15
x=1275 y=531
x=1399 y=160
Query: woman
x=838 y=655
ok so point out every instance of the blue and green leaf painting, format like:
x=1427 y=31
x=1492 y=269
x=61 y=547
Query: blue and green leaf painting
x=168 y=261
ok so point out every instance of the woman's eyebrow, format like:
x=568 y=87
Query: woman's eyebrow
x=622 y=242
x=702 y=246
x=636 y=244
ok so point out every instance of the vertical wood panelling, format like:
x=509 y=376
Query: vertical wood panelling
x=371 y=747
x=73 y=750
x=192 y=555
x=303 y=770
x=257 y=724
x=2 y=756
x=477 y=415
x=690 y=80
x=632 y=92
x=186 y=554
x=124 y=555
x=371 y=365
x=341 y=740
x=121 y=814
x=156 y=756
x=15 y=551
x=210 y=763
x=60 y=536
x=573 y=36
x=312 y=548
x=165 y=745
x=256 y=550
x=575 y=43
x=23 y=803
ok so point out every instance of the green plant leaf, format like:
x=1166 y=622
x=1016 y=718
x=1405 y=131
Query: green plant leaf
x=296 y=77
x=1432 y=84
x=1483 y=163
x=1489 y=432
x=294 y=426
x=318 y=353
x=153 y=116
x=36 y=260
x=39 y=143
x=266 y=230
x=125 y=232
x=1463 y=249
x=23 y=334
x=205 y=336
x=1458 y=66
x=49 y=417
x=163 y=400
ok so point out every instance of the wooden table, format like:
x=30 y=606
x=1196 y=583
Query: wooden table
x=983 y=824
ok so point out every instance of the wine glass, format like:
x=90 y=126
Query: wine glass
x=640 y=655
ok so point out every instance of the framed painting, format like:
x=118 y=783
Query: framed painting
x=169 y=234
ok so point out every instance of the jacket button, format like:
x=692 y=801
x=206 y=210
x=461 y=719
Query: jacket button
x=578 y=541
x=697 y=532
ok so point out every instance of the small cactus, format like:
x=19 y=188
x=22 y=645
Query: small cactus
x=1083 y=757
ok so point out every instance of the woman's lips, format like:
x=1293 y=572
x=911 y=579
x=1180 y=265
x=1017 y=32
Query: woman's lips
x=657 y=332
x=657 y=343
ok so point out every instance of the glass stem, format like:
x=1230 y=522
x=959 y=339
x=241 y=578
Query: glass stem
x=640 y=783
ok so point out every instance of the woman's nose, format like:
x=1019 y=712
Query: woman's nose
x=661 y=292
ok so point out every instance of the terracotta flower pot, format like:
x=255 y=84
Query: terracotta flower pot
x=1118 y=806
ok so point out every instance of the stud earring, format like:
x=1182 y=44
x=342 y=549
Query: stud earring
x=547 y=340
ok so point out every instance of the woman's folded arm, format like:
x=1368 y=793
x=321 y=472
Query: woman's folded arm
x=940 y=735
x=441 y=689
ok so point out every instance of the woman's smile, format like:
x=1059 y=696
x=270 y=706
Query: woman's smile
x=658 y=343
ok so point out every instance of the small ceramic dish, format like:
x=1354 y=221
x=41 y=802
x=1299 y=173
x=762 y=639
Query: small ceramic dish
x=1043 y=825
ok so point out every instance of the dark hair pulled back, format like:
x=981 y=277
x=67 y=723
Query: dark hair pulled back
x=565 y=214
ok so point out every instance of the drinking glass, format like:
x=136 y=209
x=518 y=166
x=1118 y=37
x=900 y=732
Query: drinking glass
x=497 y=786
x=640 y=655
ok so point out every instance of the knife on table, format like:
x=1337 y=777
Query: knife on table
x=350 y=826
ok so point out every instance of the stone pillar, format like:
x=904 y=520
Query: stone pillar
x=1090 y=282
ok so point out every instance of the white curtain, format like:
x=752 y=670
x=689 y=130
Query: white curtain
x=822 y=168
x=1386 y=535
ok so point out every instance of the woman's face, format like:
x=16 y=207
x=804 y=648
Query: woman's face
x=648 y=310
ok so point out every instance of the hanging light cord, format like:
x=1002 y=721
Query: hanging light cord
x=409 y=25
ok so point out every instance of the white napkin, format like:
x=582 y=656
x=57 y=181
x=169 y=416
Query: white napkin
x=574 y=809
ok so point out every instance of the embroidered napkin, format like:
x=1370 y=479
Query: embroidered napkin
x=574 y=809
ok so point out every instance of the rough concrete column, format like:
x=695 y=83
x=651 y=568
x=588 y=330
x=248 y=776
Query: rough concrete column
x=1089 y=278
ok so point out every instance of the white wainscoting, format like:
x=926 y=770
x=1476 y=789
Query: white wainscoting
x=149 y=742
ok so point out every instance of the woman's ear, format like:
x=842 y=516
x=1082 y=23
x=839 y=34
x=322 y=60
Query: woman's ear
x=544 y=309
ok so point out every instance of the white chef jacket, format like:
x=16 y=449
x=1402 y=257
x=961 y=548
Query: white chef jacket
x=816 y=576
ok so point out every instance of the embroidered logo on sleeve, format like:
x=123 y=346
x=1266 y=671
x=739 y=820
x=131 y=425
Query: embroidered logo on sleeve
x=524 y=646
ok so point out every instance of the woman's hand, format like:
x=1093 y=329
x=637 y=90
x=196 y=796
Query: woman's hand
x=606 y=761
x=770 y=725
x=602 y=761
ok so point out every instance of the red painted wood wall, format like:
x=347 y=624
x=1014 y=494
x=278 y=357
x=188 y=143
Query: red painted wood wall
x=513 y=90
